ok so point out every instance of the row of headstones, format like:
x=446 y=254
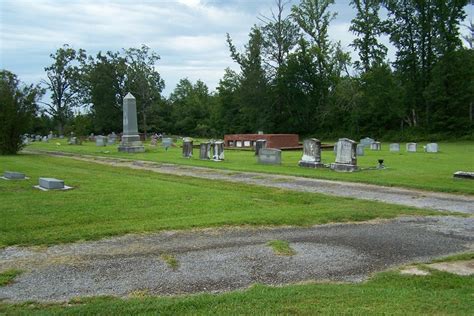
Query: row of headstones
x=211 y=150
x=102 y=141
x=43 y=183
x=26 y=138
x=394 y=147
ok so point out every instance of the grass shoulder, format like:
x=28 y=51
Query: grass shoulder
x=386 y=293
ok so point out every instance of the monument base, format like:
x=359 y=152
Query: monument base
x=310 y=164
x=340 y=167
x=131 y=149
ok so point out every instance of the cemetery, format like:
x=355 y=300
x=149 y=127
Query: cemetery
x=307 y=178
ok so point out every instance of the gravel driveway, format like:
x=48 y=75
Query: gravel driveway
x=214 y=260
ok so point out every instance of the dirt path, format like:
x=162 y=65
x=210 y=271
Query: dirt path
x=394 y=195
x=214 y=260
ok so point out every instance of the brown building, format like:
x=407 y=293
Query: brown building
x=273 y=140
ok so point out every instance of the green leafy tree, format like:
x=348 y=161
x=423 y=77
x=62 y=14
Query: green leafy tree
x=143 y=80
x=280 y=36
x=105 y=78
x=368 y=27
x=191 y=108
x=451 y=93
x=253 y=92
x=422 y=32
x=18 y=105
x=229 y=117
x=65 y=82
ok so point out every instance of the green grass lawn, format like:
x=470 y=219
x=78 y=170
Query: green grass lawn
x=421 y=170
x=387 y=293
x=110 y=201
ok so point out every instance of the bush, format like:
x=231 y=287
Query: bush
x=17 y=110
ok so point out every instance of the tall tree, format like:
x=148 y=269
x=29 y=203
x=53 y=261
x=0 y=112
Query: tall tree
x=143 y=79
x=314 y=17
x=191 y=108
x=64 y=81
x=422 y=32
x=105 y=79
x=280 y=35
x=252 y=95
x=368 y=27
x=18 y=105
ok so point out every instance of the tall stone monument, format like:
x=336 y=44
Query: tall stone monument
x=130 y=139
x=346 y=157
x=311 y=154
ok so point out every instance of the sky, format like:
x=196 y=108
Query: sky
x=189 y=35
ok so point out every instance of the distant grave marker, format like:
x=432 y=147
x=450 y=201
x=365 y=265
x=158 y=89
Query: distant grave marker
x=394 y=147
x=411 y=147
x=269 y=156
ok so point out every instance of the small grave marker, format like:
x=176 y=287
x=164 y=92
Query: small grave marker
x=395 y=147
x=13 y=175
x=269 y=156
x=411 y=147
x=46 y=184
x=360 y=150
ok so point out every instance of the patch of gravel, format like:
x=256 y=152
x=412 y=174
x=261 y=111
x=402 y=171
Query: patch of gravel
x=393 y=195
x=215 y=260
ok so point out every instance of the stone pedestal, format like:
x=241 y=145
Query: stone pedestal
x=187 y=148
x=130 y=139
x=311 y=154
x=205 y=151
x=259 y=144
x=346 y=157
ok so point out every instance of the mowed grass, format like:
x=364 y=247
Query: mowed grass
x=428 y=171
x=109 y=201
x=388 y=293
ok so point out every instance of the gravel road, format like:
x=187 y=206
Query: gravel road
x=215 y=260
x=394 y=195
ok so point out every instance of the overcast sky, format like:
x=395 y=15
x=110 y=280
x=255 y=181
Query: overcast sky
x=189 y=35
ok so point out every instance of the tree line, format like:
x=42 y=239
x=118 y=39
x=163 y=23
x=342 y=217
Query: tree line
x=292 y=79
